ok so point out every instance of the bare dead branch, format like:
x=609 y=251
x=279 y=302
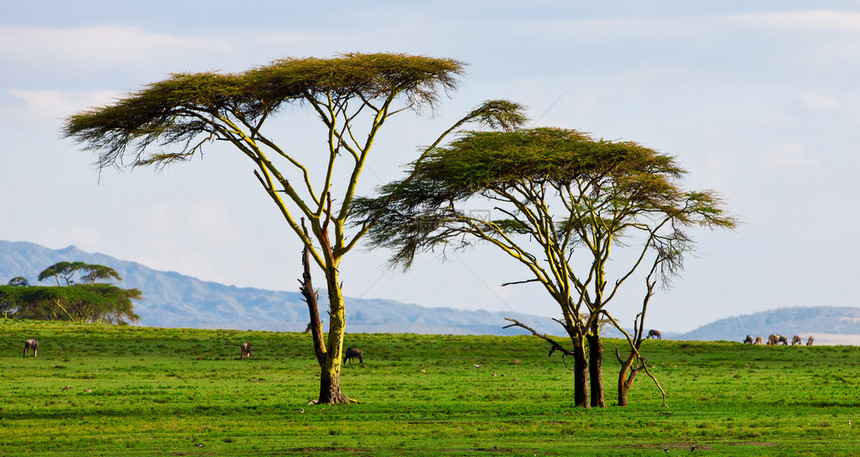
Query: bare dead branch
x=554 y=344
x=520 y=282
x=310 y=296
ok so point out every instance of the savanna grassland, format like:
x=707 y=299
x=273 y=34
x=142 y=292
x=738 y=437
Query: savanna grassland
x=136 y=391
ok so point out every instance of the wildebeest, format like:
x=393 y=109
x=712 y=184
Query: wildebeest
x=773 y=339
x=810 y=340
x=796 y=340
x=748 y=340
x=352 y=353
x=246 y=350
x=31 y=344
x=758 y=340
x=655 y=334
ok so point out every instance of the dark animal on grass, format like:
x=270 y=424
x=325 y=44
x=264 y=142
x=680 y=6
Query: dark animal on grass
x=796 y=340
x=246 y=350
x=758 y=340
x=783 y=340
x=810 y=340
x=655 y=334
x=748 y=340
x=31 y=345
x=352 y=353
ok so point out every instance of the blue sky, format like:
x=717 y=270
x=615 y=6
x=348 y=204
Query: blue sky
x=757 y=100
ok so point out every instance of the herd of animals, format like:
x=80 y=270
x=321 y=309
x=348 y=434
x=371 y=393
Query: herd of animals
x=772 y=340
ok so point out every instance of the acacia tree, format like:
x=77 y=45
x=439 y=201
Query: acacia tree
x=565 y=201
x=81 y=300
x=87 y=273
x=353 y=95
x=104 y=303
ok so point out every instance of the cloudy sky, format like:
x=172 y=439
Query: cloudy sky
x=759 y=101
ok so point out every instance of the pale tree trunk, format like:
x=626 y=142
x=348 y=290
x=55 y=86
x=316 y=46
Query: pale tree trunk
x=580 y=373
x=330 y=391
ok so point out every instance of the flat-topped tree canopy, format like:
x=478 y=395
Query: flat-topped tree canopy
x=541 y=179
x=177 y=110
x=484 y=161
x=488 y=159
x=369 y=76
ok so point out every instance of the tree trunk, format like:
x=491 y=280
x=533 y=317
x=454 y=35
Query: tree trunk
x=595 y=368
x=580 y=373
x=625 y=381
x=330 y=391
x=329 y=358
x=624 y=384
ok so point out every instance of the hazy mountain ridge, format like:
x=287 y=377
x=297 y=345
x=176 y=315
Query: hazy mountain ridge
x=176 y=300
x=802 y=321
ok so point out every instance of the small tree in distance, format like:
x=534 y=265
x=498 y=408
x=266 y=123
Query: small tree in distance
x=352 y=95
x=564 y=201
x=85 y=300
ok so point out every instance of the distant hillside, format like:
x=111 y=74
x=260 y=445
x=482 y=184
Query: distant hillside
x=786 y=321
x=175 y=300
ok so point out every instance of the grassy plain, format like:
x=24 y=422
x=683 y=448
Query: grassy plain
x=156 y=392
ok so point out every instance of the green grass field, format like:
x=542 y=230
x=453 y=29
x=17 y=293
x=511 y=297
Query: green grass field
x=156 y=392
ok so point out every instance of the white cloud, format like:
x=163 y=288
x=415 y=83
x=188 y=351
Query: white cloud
x=789 y=155
x=51 y=105
x=822 y=103
x=96 y=45
x=210 y=222
x=85 y=237
x=93 y=48
x=824 y=20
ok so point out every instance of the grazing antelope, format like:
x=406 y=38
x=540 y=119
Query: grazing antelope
x=655 y=334
x=758 y=340
x=774 y=339
x=810 y=340
x=748 y=340
x=31 y=344
x=352 y=353
x=246 y=350
x=796 y=340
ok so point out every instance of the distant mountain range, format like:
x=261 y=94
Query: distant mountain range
x=175 y=300
x=828 y=324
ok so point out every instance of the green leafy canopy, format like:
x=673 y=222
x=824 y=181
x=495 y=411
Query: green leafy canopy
x=187 y=105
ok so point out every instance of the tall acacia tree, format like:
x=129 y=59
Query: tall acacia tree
x=353 y=95
x=564 y=202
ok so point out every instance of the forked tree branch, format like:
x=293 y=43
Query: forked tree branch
x=554 y=344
